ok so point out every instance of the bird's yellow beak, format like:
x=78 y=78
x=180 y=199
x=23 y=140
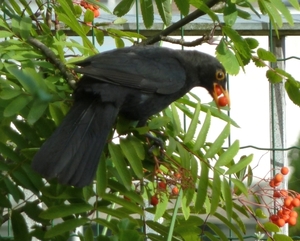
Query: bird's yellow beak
x=216 y=93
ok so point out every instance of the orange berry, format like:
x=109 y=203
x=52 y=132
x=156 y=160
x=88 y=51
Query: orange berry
x=280 y=222
x=175 y=190
x=292 y=221
x=272 y=183
x=96 y=13
x=298 y=196
x=293 y=214
x=295 y=202
x=284 y=170
x=278 y=177
x=286 y=211
x=288 y=201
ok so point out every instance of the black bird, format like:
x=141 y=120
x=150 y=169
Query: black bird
x=135 y=82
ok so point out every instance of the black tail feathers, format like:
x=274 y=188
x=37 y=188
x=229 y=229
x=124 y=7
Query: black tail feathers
x=72 y=153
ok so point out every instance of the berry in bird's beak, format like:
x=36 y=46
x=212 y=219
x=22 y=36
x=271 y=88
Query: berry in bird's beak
x=224 y=99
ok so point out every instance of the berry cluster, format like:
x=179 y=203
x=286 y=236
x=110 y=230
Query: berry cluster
x=167 y=186
x=92 y=7
x=285 y=201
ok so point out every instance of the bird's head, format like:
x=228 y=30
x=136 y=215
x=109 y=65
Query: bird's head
x=213 y=78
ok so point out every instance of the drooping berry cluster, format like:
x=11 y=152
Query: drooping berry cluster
x=285 y=201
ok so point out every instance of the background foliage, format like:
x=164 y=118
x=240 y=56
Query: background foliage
x=36 y=82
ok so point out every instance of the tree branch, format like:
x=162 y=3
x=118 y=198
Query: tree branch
x=187 y=19
x=53 y=59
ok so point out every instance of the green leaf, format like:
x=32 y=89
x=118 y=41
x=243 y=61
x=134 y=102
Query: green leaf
x=227 y=58
x=227 y=194
x=239 y=186
x=66 y=226
x=295 y=4
x=88 y=16
x=6 y=34
x=203 y=132
x=284 y=10
x=203 y=7
x=217 y=145
x=4 y=201
x=272 y=12
x=123 y=7
x=137 y=146
x=266 y=55
x=183 y=6
x=281 y=237
x=293 y=91
x=244 y=14
x=7 y=151
x=119 y=42
x=273 y=76
x=101 y=177
x=240 y=165
x=132 y=157
x=252 y=43
x=239 y=42
x=36 y=111
x=158 y=122
x=15 y=106
x=165 y=11
x=9 y=93
x=120 y=164
x=88 y=233
x=99 y=36
x=25 y=27
x=193 y=126
x=216 y=192
x=58 y=111
x=229 y=225
x=259 y=213
x=227 y=156
x=176 y=120
x=161 y=207
x=13 y=190
x=147 y=12
x=65 y=210
x=202 y=187
x=217 y=231
x=271 y=227
x=230 y=13
x=19 y=226
x=130 y=206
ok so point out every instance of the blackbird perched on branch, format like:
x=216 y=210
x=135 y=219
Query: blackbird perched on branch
x=135 y=82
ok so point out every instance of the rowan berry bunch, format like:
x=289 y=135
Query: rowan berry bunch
x=168 y=185
x=92 y=7
x=285 y=201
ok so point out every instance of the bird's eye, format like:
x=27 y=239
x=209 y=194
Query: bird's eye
x=220 y=75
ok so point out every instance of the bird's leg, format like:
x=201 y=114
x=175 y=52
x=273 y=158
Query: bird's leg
x=158 y=142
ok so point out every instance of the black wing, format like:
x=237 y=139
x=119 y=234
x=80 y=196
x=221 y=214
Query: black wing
x=149 y=69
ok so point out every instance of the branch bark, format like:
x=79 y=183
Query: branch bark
x=187 y=19
x=53 y=59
